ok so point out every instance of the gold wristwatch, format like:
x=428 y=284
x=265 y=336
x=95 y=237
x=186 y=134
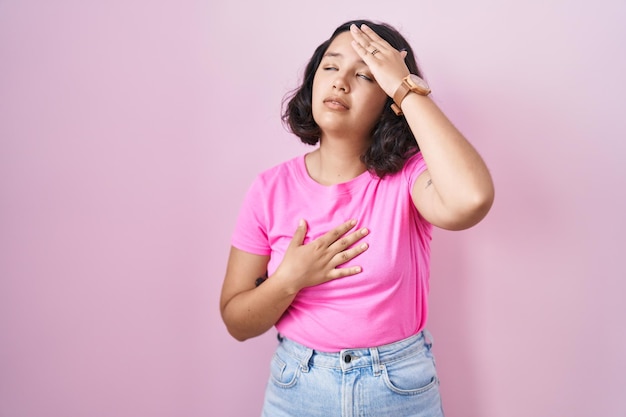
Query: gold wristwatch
x=410 y=84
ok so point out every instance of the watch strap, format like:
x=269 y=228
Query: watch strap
x=401 y=92
x=406 y=86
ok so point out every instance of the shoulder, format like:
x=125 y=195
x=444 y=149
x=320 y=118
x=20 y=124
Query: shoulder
x=415 y=161
x=278 y=172
x=414 y=167
x=281 y=170
x=278 y=176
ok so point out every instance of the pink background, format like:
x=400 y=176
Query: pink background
x=130 y=130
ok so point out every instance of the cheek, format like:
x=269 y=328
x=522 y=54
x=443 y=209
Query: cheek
x=316 y=98
x=376 y=106
x=381 y=100
x=314 y=91
x=317 y=89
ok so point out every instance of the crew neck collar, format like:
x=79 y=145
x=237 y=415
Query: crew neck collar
x=341 y=188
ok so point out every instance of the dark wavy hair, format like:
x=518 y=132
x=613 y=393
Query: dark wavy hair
x=392 y=140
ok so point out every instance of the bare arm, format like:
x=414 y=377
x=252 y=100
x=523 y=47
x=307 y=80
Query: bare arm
x=456 y=191
x=250 y=311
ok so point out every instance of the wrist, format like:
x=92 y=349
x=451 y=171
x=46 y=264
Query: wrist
x=410 y=84
x=286 y=285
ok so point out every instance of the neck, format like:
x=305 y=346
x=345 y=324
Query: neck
x=335 y=162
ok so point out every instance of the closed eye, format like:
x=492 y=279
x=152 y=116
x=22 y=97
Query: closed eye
x=365 y=77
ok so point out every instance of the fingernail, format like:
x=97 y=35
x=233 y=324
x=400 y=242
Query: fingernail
x=364 y=231
x=364 y=246
x=301 y=223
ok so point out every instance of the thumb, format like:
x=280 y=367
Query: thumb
x=300 y=234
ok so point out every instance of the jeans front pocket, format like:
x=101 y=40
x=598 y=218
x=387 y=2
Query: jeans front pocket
x=284 y=370
x=412 y=375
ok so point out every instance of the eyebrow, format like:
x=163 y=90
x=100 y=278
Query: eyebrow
x=338 y=55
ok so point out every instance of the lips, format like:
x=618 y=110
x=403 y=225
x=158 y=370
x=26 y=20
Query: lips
x=336 y=102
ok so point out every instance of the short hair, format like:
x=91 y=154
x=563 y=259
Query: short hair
x=393 y=142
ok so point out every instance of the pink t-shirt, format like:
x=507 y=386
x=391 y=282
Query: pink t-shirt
x=387 y=301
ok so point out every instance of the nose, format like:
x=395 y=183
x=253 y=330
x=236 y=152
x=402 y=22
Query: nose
x=340 y=83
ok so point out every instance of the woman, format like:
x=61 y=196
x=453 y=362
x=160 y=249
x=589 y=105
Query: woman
x=347 y=288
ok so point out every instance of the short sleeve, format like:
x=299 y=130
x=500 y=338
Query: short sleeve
x=250 y=234
x=413 y=168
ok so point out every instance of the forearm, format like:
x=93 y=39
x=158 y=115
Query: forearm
x=253 y=312
x=461 y=178
x=249 y=311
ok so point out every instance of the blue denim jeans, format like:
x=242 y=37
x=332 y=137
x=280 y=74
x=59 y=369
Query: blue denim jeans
x=395 y=380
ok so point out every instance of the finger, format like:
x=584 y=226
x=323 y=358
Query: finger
x=348 y=240
x=300 y=234
x=335 y=234
x=348 y=254
x=373 y=36
x=358 y=34
x=344 y=272
x=363 y=43
x=359 y=49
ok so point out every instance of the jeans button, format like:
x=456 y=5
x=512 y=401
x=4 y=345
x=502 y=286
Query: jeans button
x=347 y=359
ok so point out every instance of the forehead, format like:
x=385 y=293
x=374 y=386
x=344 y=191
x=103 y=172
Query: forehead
x=341 y=47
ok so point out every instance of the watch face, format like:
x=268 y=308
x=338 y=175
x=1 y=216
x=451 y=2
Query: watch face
x=419 y=84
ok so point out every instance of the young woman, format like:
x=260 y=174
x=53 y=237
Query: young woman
x=332 y=247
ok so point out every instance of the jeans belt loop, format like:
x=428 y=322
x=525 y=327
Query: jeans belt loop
x=376 y=366
x=304 y=364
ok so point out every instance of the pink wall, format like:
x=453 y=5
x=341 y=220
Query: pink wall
x=130 y=130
